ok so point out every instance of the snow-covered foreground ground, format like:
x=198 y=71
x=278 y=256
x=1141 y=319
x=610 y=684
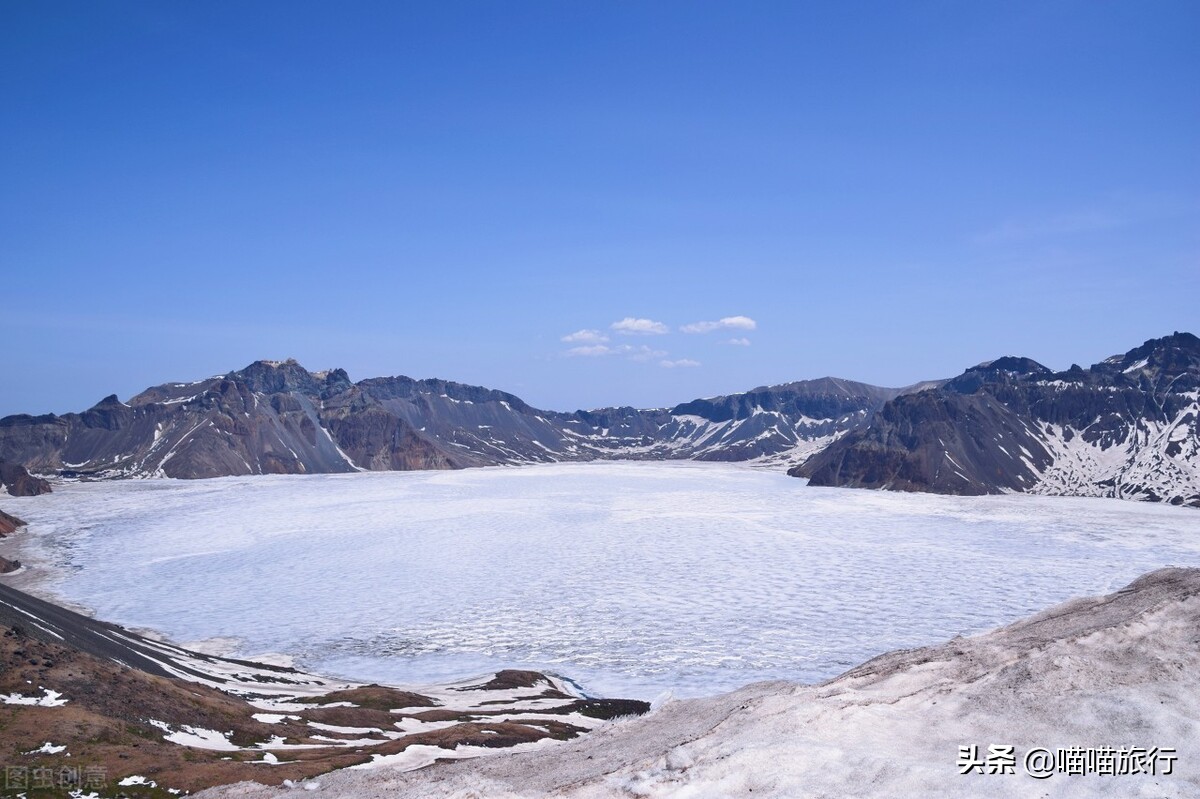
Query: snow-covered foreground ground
x=631 y=578
x=1091 y=698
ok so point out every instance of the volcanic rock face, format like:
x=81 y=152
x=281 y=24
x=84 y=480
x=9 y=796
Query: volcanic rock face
x=21 y=483
x=277 y=417
x=1126 y=427
x=9 y=524
x=262 y=420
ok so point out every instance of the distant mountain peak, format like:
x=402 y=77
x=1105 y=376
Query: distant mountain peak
x=1013 y=364
x=1005 y=369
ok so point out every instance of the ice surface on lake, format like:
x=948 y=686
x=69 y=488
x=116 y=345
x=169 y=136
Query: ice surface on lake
x=629 y=578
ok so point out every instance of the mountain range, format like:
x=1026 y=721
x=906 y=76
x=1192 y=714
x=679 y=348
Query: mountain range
x=1126 y=427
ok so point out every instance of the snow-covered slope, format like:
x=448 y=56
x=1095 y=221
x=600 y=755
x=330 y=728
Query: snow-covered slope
x=193 y=719
x=781 y=424
x=1158 y=460
x=1118 y=675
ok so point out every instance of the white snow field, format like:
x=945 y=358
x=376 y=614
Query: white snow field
x=629 y=578
x=1094 y=697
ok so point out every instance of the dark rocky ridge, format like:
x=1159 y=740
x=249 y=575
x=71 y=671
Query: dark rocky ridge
x=1126 y=427
x=277 y=417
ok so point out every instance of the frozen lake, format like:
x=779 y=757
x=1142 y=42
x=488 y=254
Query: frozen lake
x=628 y=578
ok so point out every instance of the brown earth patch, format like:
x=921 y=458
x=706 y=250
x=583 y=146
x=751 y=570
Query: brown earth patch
x=352 y=717
x=510 y=679
x=105 y=724
x=9 y=524
x=378 y=697
x=21 y=483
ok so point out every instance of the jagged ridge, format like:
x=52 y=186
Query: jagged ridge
x=1127 y=427
x=277 y=417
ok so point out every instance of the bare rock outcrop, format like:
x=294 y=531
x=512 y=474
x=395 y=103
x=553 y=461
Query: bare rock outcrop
x=1128 y=427
x=9 y=524
x=19 y=482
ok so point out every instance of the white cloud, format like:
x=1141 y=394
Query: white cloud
x=741 y=342
x=639 y=353
x=630 y=326
x=592 y=351
x=727 y=323
x=586 y=336
x=682 y=362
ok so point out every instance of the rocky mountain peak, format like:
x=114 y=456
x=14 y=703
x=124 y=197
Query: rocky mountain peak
x=1172 y=358
x=1015 y=365
x=277 y=377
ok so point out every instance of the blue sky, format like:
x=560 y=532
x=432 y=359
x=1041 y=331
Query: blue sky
x=881 y=191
